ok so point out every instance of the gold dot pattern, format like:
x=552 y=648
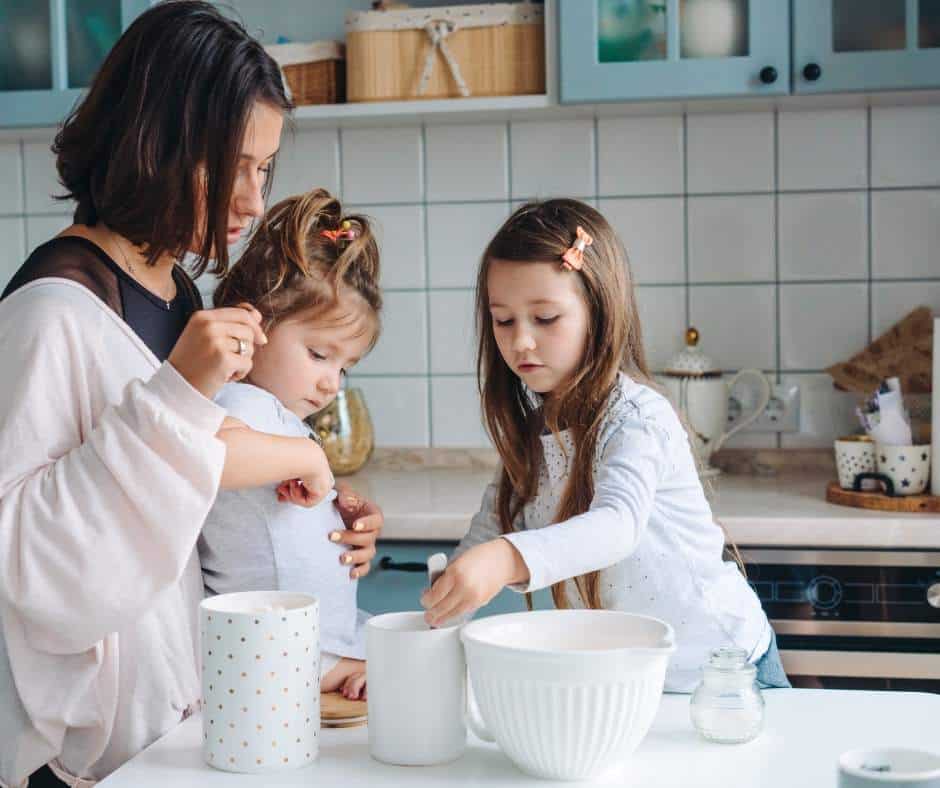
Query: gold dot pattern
x=252 y=656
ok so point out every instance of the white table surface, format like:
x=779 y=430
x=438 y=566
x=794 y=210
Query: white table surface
x=786 y=510
x=805 y=732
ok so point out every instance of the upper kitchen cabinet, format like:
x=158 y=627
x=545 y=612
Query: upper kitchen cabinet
x=50 y=50
x=841 y=45
x=615 y=50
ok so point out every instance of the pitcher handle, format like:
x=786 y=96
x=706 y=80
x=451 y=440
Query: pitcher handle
x=766 y=393
x=474 y=719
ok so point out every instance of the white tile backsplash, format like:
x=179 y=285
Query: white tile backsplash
x=40 y=229
x=553 y=159
x=453 y=336
x=823 y=235
x=905 y=146
x=398 y=407
x=821 y=325
x=823 y=149
x=382 y=165
x=467 y=162
x=731 y=239
x=455 y=413
x=307 y=159
x=736 y=324
x=640 y=155
x=399 y=231
x=13 y=248
x=11 y=165
x=457 y=183
x=457 y=235
x=730 y=153
x=42 y=180
x=402 y=347
x=663 y=320
x=652 y=231
x=892 y=301
x=905 y=233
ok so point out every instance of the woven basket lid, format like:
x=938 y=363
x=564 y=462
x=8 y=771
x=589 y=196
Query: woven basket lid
x=691 y=362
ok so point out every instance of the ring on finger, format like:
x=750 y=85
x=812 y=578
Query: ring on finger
x=242 y=347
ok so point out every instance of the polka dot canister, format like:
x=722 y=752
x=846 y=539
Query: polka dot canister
x=260 y=680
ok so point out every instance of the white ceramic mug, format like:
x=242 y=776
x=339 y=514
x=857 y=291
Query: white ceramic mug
x=417 y=690
x=260 y=680
x=855 y=454
x=908 y=467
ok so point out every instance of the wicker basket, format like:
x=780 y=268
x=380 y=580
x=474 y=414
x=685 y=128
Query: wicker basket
x=314 y=73
x=491 y=49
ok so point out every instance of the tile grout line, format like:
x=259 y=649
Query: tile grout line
x=778 y=293
x=685 y=221
x=427 y=281
x=22 y=148
x=868 y=206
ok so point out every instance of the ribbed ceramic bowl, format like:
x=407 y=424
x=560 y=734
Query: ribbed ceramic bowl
x=568 y=694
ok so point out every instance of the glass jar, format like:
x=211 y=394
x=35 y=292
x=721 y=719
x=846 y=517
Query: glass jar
x=727 y=707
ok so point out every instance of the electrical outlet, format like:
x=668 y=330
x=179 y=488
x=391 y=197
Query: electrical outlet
x=782 y=413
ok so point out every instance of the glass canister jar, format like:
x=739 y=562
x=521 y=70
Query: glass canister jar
x=727 y=707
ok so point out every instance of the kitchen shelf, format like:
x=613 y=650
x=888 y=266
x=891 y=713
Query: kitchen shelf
x=371 y=112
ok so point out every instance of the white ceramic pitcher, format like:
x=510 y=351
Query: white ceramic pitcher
x=700 y=394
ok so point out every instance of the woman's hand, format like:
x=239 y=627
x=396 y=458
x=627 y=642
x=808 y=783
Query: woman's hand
x=311 y=488
x=363 y=521
x=473 y=580
x=208 y=353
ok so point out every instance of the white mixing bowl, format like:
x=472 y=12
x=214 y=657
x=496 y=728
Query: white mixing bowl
x=568 y=694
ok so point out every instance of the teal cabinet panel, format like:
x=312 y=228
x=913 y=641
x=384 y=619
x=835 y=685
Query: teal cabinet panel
x=49 y=52
x=865 y=45
x=621 y=50
x=399 y=576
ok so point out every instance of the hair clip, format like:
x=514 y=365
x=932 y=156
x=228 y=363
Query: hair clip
x=345 y=232
x=573 y=258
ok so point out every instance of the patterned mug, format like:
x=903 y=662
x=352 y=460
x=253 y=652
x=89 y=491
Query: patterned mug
x=855 y=454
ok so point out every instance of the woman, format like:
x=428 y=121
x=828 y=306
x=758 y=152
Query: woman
x=108 y=366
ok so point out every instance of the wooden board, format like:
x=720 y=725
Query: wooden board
x=334 y=708
x=929 y=504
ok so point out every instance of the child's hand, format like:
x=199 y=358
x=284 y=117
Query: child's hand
x=309 y=490
x=354 y=687
x=348 y=677
x=473 y=580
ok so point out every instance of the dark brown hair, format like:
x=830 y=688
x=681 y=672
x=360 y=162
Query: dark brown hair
x=294 y=262
x=171 y=100
x=542 y=232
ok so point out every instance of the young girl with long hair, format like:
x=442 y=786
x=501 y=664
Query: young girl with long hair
x=597 y=495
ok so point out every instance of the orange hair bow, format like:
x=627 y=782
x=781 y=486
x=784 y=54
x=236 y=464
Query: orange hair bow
x=345 y=232
x=573 y=259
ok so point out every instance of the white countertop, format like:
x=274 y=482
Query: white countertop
x=787 y=510
x=804 y=734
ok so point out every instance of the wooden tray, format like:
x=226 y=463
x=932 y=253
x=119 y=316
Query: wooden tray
x=339 y=712
x=929 y=504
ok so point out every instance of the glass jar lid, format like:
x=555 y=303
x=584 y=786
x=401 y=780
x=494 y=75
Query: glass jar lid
x=691 y=362
x=730 y=660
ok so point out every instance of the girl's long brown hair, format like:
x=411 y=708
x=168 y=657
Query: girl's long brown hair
x=290 y=265
x=542 y=232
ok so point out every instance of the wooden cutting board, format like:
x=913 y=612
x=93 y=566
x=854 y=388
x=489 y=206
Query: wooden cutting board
x=929 y=504
x=339 y=712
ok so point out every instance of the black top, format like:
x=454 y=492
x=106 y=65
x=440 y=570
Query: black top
x=158 y=323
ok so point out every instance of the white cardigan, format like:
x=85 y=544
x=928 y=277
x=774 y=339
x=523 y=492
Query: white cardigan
x=108 y=466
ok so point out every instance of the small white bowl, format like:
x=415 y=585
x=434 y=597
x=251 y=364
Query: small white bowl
x=889 y=768
x=568 y=694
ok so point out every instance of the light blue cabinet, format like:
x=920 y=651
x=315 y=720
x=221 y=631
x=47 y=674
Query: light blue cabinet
x=49 y=51
x=621 y=50
x=399 y=575
x=846 y=45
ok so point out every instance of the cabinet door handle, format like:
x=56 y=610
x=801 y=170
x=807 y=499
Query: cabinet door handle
x=768 y=75
x=387 y=564
x=812 y=72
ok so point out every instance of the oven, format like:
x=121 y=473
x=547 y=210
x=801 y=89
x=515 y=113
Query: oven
x=852 y=619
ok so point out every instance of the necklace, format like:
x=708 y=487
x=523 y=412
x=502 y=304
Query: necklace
x=133 y=273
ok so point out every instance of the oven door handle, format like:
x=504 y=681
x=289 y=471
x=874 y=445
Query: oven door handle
x=860 y=664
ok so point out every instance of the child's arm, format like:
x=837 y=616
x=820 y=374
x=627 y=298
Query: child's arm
x=255 y=459
x=624 y=489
